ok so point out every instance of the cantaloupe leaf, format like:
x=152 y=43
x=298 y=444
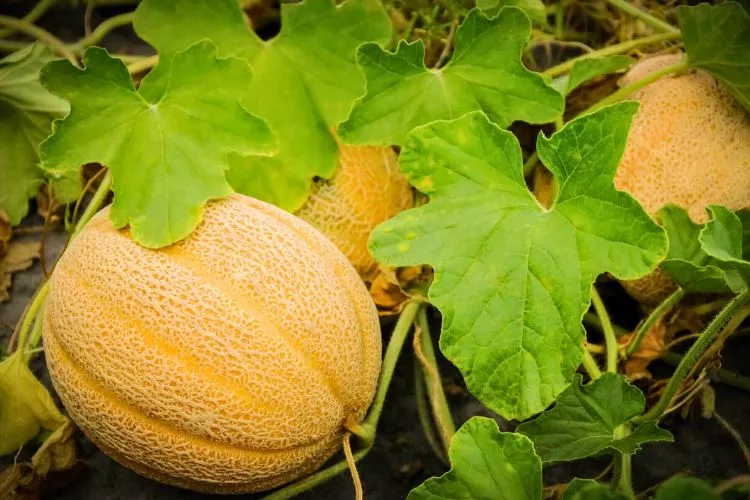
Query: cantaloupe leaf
x=721 y=239
x=583 y=421
x=485 y=73
x=588 y=69
x=486 y=463
x=26 y=114
x=535 y=9
x=717 y=39
x=686 y=488
x=26 y=406
x=304 y=79
x=168 y=157
x=589 y=489
x=687 y=263
x=513 y=279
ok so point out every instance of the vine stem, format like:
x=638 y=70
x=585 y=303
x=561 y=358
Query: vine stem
x=610 y=338
x=652 y=318
x=143 y=64
x=439 y=402
x=694 y=354
x=637 y=85
x=589 y=364
x=612 y=50
x=103 y=30
x=32 y=315
x=34 y=14
x=392 y=352
x=12 y=45
x=40 y=34
x=423 y=412
x=530 y=163
x=721 y=375
x=644 y=16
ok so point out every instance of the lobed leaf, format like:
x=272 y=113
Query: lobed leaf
x=687 y=263
x=485 y=74
x=486 y=463
x=583 y=421
x=26 y=114
x=304 y=80
x=721 y=239
x=167 y=156
x=717 y=39
x=512 y=279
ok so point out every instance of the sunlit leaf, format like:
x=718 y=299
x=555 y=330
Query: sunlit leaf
x=485 y=73
x=26 y=114
x=583 y=421
x=304 y=80
x=486 y=463
x=717 y=39
x=535 y=9
x=168 y=157
x=512 y=279
x=588 y=69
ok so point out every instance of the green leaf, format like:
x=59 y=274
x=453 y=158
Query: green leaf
x=26 y=114
x=304 y=80
x=588 y=69
x=744 y=216
x=717 y=39
x=588 y=489
x=686 y=488
x=535 y=9
x=485 y=73
x=512 y=279
x=583 y=421
x=26 y=406
x=722 y=240
x=167 y=157
x=686 y=263
x=486 y=463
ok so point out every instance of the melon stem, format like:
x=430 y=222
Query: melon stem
x=694 y=354
x=652 y=318
x=392 y=352
x=613 y=348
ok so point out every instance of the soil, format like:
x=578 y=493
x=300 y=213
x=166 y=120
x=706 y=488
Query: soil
x=401 y=458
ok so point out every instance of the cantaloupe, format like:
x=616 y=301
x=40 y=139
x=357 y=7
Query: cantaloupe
x=226 y=363
x=689 y=145
x=368 y=188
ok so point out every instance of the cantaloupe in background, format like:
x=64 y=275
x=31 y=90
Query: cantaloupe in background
x=367 y=189
x=689 y=145
x=225 y=363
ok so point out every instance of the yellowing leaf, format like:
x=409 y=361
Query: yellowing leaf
x=26 y=406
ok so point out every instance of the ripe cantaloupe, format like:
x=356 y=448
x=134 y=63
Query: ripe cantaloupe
x=228 y=362
x=689 y=145
x=368 y=188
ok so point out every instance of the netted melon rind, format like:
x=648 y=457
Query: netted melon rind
x=367 y=189
x=689 y=145
x=225 y=363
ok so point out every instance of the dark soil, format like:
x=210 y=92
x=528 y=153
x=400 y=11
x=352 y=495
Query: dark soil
x=401 y=458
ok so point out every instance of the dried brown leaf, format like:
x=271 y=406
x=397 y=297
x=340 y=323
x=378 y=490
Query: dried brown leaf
x=19 y=255
x=652 y=347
